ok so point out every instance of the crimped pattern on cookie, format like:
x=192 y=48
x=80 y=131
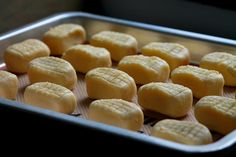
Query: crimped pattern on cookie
x=22 y=53
x=185 y=132
x=110 y=83
x=50 y=96
x=118 y=44
x=217 y=113
x=223 y=62
x=85 y=57
x=201 y=81
x=52 y=69
x=167 y=98
x=174 y=54
x=117 y=112
x=8 y=85
x=153 y=68
x=61 y=37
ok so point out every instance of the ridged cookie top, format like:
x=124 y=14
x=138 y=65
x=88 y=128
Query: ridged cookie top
x=112 y=76
x=51 y=65
x=89 y=50
x=64 y=30
x=5 y=75
x=172 y=49
x=223 y=105
x=50 y=89
x=28 y=48
x=222 y=58
x=184 y=129
x=168 y=88
x=219 y=57
x=153 y=63
x=118 y=106
x=200 y=73
x=115 y=37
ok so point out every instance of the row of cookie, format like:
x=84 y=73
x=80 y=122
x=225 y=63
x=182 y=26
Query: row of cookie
x=171 y=99
x=211 y=111
x=62 y=37
x=44 y=67
x=167 y=98
x=105 y=83
x=85 y=57
x=120 y=45
x=52 y=96
x=202 y=82
x=154 y=68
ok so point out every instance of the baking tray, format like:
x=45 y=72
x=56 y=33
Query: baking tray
x=198 y=44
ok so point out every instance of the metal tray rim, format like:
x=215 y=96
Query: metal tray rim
x=162 y=29
x=226 y=142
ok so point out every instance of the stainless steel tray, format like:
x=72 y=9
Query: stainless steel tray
x=198 y=44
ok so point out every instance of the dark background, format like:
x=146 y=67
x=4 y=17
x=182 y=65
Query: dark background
x=209 y=17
